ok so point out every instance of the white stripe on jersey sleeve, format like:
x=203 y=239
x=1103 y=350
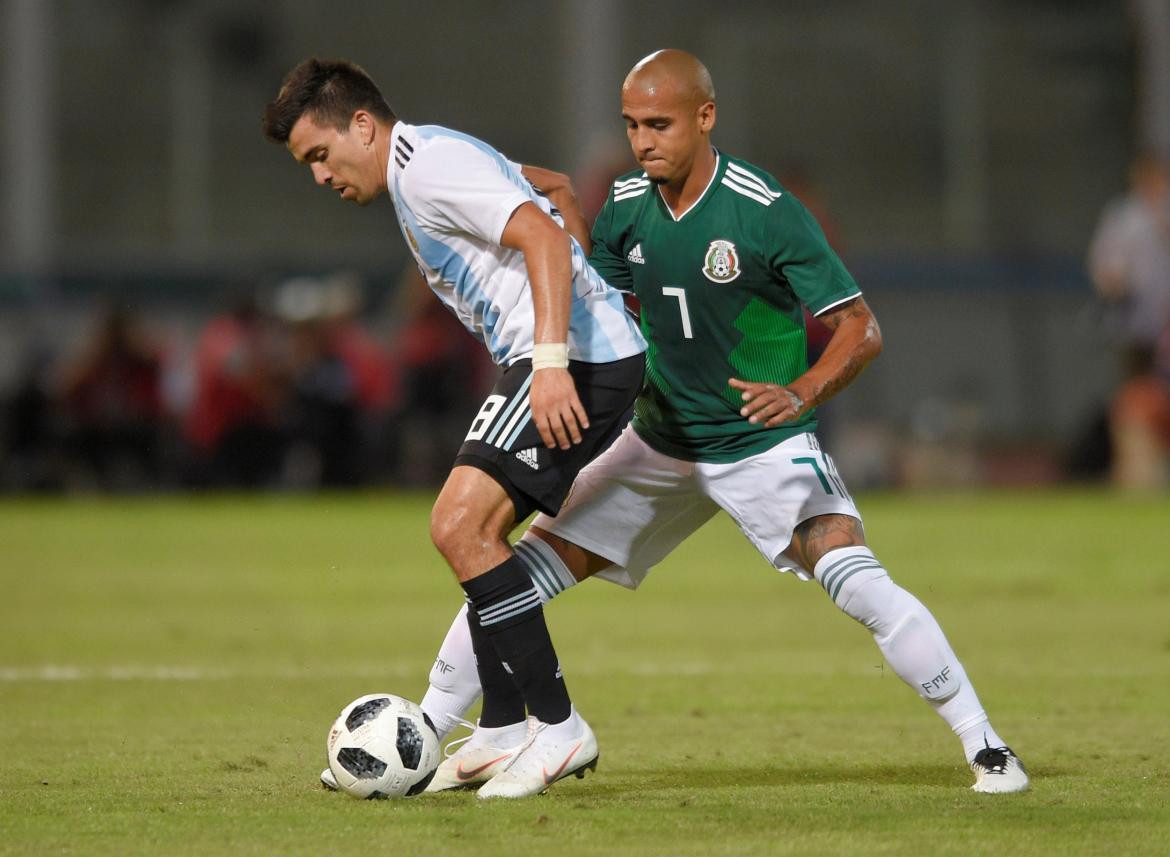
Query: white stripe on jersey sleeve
x=836 y=304
x=752 y=180
x=618 y=185
x=630 y=188
x=618 y=197
x=729 y=181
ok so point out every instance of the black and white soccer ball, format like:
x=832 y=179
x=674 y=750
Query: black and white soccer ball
x=382 y=746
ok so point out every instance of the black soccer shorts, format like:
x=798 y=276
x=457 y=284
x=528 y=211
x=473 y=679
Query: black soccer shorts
x=504 y=443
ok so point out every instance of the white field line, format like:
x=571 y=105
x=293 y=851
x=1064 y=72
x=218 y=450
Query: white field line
x=151 y=672
x=375 y=672
x=140 y=672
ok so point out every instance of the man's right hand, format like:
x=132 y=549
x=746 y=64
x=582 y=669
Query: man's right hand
x=557 y=411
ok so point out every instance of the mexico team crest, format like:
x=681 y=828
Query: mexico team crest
x=721 y=264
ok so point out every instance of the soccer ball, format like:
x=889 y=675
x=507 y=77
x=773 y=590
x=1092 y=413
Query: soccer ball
x=382 y=746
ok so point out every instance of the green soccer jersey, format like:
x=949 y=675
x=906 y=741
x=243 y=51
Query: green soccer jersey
x=721 y=289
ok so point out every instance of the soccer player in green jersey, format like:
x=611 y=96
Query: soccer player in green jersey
x=721 y=258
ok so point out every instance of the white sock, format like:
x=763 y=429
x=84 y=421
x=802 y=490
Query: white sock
x=512 y=735
x=567 y=729
x=975 y=730
x=909 y=638
x=454 y=677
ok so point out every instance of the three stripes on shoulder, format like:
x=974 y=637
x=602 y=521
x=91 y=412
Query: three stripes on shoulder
x=742 y=181
x=630 y=188
x=749 y=184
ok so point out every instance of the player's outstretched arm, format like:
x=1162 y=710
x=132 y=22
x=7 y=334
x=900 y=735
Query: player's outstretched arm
x=856 y=340
x=558 y=187
x=556 y=409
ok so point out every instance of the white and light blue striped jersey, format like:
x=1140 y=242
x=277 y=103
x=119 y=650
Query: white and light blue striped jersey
x=454 y=195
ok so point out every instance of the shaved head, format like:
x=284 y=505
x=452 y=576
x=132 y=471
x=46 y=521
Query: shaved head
x=668 y=103
x=671 y=73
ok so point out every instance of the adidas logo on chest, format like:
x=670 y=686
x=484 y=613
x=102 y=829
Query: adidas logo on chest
x=636 y=256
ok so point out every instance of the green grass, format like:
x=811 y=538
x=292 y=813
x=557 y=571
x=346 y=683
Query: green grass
x=169 y=667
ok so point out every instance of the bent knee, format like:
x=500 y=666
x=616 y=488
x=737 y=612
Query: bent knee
x=816 y=536
x=580 y=562
x=453 y=527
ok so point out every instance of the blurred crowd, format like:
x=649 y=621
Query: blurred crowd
x=1129 y=262
x=294 y=389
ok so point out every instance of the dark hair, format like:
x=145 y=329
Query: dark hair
x=331 y=91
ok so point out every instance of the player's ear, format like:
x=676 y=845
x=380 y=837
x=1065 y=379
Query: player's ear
x=706 y=116
x=362 y=124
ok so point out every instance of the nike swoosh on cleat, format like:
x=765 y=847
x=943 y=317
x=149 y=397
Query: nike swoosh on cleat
x=549 y=779
x=461 y=774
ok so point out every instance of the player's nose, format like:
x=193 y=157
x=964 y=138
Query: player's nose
x=321 y=175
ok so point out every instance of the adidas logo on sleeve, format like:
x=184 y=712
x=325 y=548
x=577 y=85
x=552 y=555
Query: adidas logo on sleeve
x=636 y=256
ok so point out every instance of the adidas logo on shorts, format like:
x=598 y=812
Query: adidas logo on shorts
x=528 y=456
x=636 y=256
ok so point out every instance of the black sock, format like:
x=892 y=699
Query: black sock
x=503 y=704
x=509 y=611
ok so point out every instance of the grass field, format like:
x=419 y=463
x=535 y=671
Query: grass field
x=169 y=667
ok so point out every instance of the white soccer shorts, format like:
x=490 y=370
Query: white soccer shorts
x=634 y=505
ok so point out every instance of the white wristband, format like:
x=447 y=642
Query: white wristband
x=550 y=355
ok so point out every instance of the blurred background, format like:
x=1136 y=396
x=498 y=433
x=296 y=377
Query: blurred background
x=181 y=309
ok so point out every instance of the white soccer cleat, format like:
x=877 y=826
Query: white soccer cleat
x=998 y=771
x=545 y=758
x=477 y=761
x=329 y=781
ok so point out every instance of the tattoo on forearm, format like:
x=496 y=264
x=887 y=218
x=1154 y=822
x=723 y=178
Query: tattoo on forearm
x=855 y=359
x=854 y=309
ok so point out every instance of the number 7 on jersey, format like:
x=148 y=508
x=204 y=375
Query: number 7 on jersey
x=680 y=293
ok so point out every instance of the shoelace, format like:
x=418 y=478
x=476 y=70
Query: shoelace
x=535 y=727
x=453 y=747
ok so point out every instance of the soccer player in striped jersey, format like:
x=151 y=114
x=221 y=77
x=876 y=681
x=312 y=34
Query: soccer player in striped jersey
x=721 y=259
x=494 y=251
